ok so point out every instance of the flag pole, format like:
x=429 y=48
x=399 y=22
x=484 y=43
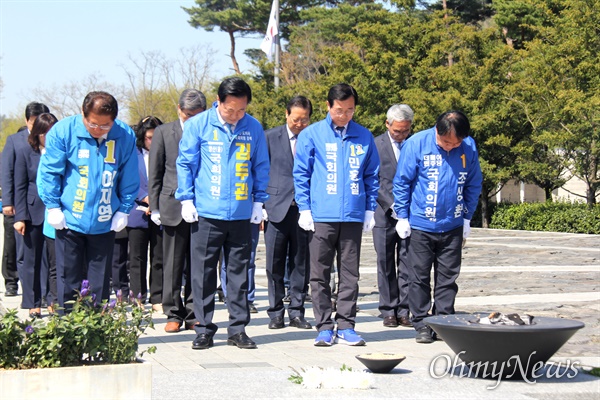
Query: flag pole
x=276 y=68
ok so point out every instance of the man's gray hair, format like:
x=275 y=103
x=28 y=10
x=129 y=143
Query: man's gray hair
x=400 y=112
x=192 y=99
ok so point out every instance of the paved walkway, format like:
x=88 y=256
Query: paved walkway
x=494 y=263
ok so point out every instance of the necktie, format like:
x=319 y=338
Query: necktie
x=229 y=128
x=340 y=130
x=294 y=140
x=397 y=150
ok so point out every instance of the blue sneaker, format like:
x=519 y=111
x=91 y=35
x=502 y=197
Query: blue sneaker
x=349 y=337
x=325 y=338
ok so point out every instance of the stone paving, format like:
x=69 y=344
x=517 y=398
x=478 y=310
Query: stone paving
x=545 y=274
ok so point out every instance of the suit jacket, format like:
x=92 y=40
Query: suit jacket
x=281 y=178
x=28 y=204
x=162 y=173
x=137 y=218
x=387 y=171
x=11 y=147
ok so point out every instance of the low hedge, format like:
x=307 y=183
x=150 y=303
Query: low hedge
x=548 y=216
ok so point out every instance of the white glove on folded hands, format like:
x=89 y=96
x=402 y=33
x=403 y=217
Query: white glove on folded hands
x=369 y=222
x=394 y=215
x=466 y=228
x=119 y=221
x=188 y=211
x=56 y=218
x=155 y=217
x=403 y=228
x=306 y=221
x=257 y=213
x=265 y=215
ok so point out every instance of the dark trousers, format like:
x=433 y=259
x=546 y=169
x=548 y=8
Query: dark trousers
x=76 y=252
x=329 y=237
x=119 y=276
x=30 y=271
x=209 y=236
x=286 y=240
x=51 y=258
x=442 y=251
x=254 y=235
x=176 y=264
x=140 y=240
x=392 y=271
x=9 y=255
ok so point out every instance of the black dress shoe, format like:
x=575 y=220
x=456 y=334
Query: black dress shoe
x=10 y=292
x=390 y=322
x=287 y=298
x=276 y=323
x=252 y=308
x=300 y=323
x=404 y=321
x=202 y=341
x=242 y=341
x=35 y=315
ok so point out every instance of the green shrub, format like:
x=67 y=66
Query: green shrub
x=105 y=334
x=548 y=216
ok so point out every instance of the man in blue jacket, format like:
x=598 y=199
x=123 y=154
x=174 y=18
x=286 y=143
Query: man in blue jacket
x=222 y=175
x=336 y=179
x=436 y=190
x=88 y=179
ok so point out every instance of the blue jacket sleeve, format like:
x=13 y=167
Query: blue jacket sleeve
x=51 y=169
x=371 y=177
x=130 y=178
x=260 y=169
x=303 y=169
x=403 y=180
x=472 y=188
x=188 y=162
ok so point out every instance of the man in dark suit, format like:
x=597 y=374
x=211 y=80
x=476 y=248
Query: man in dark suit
x=285 y=241
x=392 y=272
x=166 y=210
x=12 y=259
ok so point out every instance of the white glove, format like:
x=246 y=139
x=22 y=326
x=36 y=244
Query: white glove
x=466 y=228
x=265 y=215
x=119 y=221
x=188 y=211
x=56 y=218
x=155 y=217
x=257 y=213
x=403 y=228
x=306 y=221
x=369 y=221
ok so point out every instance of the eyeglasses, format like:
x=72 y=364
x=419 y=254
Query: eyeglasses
x=340 y=113
x=96 y=126
x=302 y=121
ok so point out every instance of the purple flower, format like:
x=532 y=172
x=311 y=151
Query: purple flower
x=104 y=307
x=85 y=292
x=85 y=284
x=112 y=304
x=139 y=296
x=119 y=295
x=94 y=297
x=131 y=295
x=29 y=329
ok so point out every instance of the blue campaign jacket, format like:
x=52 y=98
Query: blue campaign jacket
x=436 y=189
x=89 y=182
x=223 y=175
x=337 y=179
